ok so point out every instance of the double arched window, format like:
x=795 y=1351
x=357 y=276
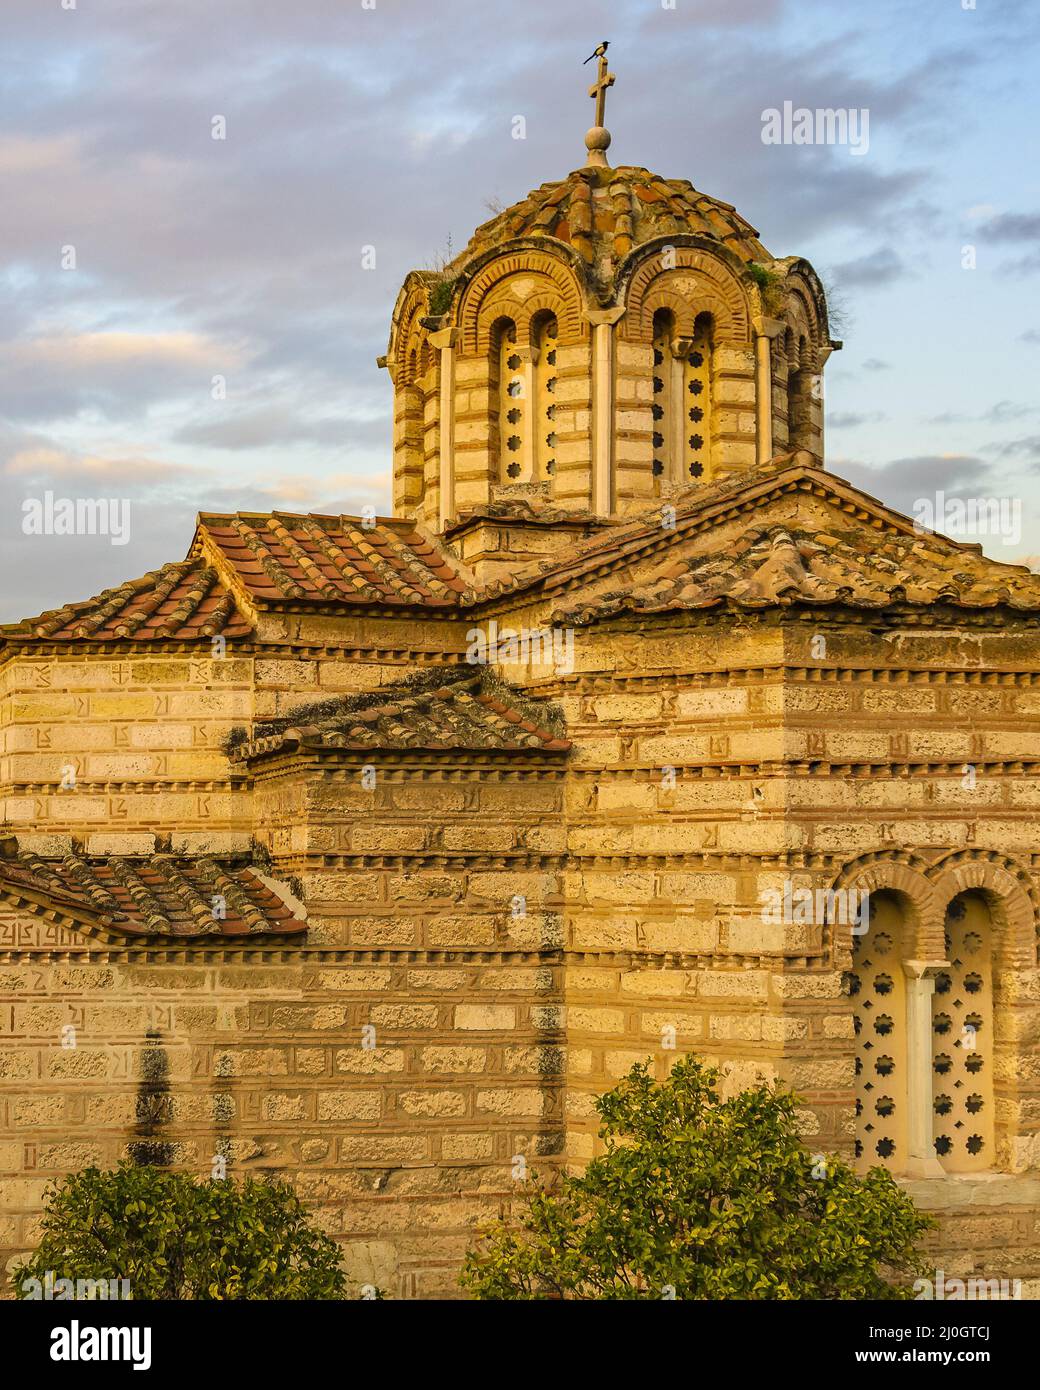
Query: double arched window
x=523 y=389
x=952 y=1078
x=682 y=400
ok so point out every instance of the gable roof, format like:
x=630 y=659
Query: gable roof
x=467 y=713
x=780 y=565
x=177 y=603
x=161 y=896
x=866 y=524
x=285 y=559
x=280 y=557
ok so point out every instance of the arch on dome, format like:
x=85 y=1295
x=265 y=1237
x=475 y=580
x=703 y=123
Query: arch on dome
x=807 y=311
x=493 y=293
x=691 y=281
x=406 y=330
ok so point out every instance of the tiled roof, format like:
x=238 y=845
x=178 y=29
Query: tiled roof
x=775 y=565
x=279 y=556
x=608 y=211
x=469 y=713
x=176 y=603
x=157 y=896
x=699 y=509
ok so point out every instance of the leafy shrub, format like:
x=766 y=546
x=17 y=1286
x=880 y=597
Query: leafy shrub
x=175 y=1237
x=696 y=1197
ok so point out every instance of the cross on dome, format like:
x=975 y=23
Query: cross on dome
x=597 y=141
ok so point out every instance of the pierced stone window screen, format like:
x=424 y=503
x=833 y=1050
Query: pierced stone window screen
x=879 y=1014
x=696 y=395
x=511 y=402
x=663 y=407
x=545 y=380
x=962 y=1039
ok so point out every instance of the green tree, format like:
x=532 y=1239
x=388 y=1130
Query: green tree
x=697 y=1197
x=175 y=1237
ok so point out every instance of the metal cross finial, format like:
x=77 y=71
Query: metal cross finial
x=597 y=141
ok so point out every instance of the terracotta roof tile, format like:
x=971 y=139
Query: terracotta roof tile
x=281 y=557
x=179 y=602
x=470 y=712
x=158 y=896
x=618 y=208
x=775 y=565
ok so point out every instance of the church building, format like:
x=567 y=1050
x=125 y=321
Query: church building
x=368 y=851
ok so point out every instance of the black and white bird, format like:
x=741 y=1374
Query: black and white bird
x=599 y=51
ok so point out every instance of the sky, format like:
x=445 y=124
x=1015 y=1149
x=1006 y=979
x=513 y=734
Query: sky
x=192 y=323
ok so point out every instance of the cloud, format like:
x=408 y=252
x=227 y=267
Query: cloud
x=1031 y=335
x=1028 y=447
x=948 y=417
x=881 y=267
x=325 y=494
x=875 y=364
x=902 y=481
x=1004 y=411
x=115 y=374
x=1016 y=229
x=52 y=465
x=281 y=425
x=851 y=419
x=1012 y=227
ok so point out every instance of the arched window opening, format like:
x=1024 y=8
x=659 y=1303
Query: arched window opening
x=544 y=332
x=508 y=394
x=410 y=482
x=962 y=1036
x=697 y=393
x=664 y=408
x=799 y=391
x=879 y=1001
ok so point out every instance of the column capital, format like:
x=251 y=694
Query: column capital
x=766 y=327
x=446 y=338
x=598 y=317
x=924 y=969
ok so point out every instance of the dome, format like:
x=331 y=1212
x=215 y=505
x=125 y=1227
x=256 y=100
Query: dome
x=603 y=213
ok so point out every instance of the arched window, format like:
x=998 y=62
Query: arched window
x=962 y=1031
x=955 y=1063
x=799 y=391
x=666 y=420
x=697 y=393
x=409 y=427
x=543 y=339
x=509 y=397
x=879 y=1002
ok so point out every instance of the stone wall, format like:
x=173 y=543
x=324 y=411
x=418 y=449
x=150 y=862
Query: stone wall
x=514 y=933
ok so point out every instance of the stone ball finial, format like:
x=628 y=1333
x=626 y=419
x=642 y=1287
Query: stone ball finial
x=597 y=142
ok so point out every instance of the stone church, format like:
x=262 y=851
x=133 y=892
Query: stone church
x=369 y=851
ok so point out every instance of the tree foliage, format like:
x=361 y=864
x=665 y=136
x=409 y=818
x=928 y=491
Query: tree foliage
x=698 y=1197
x=175 y=1237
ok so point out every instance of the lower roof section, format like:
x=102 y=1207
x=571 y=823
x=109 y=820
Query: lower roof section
x=159 y=895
